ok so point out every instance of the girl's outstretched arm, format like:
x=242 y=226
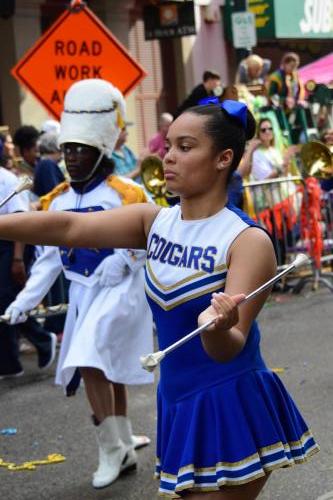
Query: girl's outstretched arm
x=125 y=227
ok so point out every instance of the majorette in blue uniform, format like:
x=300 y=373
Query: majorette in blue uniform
x=219 y=423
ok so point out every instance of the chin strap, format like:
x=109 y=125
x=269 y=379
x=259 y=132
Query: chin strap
x=92 y=173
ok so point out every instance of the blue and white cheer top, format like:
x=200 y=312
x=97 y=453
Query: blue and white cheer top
x=218 y=423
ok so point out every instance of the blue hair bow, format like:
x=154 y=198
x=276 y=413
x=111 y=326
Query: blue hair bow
x=234 y=108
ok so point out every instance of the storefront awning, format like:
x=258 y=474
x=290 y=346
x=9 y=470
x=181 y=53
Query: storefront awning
x=321 y=71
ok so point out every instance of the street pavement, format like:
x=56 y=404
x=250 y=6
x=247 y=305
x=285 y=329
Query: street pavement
x=297 y=336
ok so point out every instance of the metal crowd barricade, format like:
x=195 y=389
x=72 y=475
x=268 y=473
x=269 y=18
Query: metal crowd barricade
x=281 y=206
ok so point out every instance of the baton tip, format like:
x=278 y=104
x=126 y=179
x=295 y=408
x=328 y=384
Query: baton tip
x=301 y=260
x=150 y=361
x=26 y=183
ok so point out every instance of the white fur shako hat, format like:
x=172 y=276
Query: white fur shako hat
x=94 y=114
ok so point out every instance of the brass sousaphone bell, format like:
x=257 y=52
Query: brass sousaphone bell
x=153 y=179
x=317 y=160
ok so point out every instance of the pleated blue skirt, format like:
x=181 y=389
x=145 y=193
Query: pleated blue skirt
x=229 y=434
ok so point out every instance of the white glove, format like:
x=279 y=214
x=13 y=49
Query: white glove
x=135 y=259
x=15 y=314
x=111 y=270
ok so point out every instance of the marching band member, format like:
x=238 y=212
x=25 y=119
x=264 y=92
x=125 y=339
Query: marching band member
x=108 y=324
x=14 y=260
x=225 y=421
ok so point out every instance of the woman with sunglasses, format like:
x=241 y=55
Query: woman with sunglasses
x=225 y=421
x=267 y=160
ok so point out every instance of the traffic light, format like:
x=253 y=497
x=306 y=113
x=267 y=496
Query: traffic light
x=7 y=8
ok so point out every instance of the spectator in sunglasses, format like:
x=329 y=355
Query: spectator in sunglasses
x=264 y=160
x=267 y=160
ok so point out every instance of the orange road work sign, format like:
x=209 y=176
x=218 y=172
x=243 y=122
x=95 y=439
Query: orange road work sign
x=77 y=46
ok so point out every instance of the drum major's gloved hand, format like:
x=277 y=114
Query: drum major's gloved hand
x=111 y=270
x=15 y=314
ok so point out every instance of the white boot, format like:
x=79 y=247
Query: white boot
x=112 y=453
x=125 y=434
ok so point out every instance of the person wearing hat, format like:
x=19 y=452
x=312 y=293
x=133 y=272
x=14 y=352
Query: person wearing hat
x=50 y=125
x=108 y=324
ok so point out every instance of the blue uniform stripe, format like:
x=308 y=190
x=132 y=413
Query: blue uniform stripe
x=166 y=296
x=213 y=477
